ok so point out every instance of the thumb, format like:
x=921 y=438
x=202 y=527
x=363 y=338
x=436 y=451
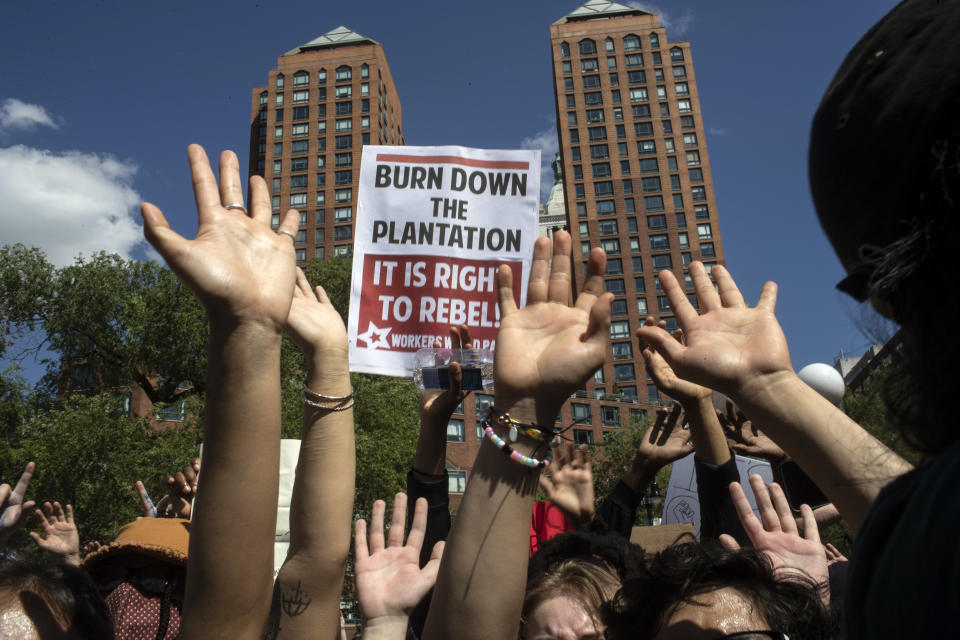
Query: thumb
x=157 y=230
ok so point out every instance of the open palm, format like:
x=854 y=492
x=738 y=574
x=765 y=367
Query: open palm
x=729 y=344
x=570 y=485
x=236 y=265
x=547 y=349
x=60 y=535
x=313 y=323
x=389 y=579
x=777 y=535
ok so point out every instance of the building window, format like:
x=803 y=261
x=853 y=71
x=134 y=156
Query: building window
x=480 y=402
x=341 y=251
x=278 y=100
x=614 y=267
x=455 y=430
x=663 y=304
x=637 y=265
x=343 y=214
x=342 y=233
x=693 y=158
x=597 y=133
x=298 y=200
x=634 y=245
x=701 y=212
x=642 y=306
x=606 y=208
x=574 y=136
x=619 y=329
x=657 y=59
x=591 y=82
x=615 y=286
x=696 y=175
x=601 y=189
x=599 y=151
x=698 y=194
x=587 y=47
x=343 y=195
x=589 y=65
x=343 y=73
x=582 y=436
x=611 y=246
x=653 y=396
x=456 y=481
x=631 y=43
x=676 y=54
x=635 y=60
x=618 y=307
x=343 y=177
x=301 y=236
x=707 y=250
x=343 y=108
x=643 y=129
x=564 y=50
x=300 y=130
x=622 y=351
x=593 y=115
x=653 y=203
x=660 y=242
x=611 y=62
x=280 y=80
x=601 y=170
x=301 y=255
x=263 y=98
x=662 y=261
x=704 y=232
x=318 y=235
x=296 y=182
x=343 y=142
x=637 y=76
x=654 y=41
x=640 y=111
x=580 y=412
x=683 y=240
x=650 y=184
x=646 y=147
x=638 y=95
x=682 y=89
x=623 y=372
x=585 y=248
x=321 y=198
x=277 y=132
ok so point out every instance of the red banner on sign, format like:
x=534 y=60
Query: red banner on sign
x=408 y=301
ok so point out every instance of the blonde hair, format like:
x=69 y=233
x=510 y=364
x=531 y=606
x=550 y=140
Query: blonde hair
x=588 y=582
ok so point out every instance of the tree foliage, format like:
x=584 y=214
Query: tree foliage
x=122 y=320
x=90 y=454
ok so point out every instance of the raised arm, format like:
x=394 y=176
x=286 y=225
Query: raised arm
x=307 y=594
x=544 y=353
x=741 y=351
x=13 y=507
x=243 y=274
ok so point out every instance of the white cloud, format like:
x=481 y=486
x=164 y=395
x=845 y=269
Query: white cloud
x=68 y=203
x=546 y=141
x=676 y=25
x=16 y=114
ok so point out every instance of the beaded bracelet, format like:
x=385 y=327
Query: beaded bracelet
x=516 y=456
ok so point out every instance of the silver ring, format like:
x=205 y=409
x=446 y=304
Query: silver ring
x=287 y=233
x=235 y=205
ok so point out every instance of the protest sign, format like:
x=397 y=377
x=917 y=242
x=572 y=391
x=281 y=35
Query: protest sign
x=682 y=503
x=433 y=225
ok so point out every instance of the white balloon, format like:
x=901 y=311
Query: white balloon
x=826 y=380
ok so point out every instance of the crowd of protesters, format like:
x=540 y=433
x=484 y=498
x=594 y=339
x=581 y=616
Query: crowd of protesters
x=885 y=176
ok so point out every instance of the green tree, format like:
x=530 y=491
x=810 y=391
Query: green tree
x=90 y=454
x=118 y=320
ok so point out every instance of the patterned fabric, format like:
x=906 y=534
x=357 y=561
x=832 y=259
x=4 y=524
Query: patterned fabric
x=137 y=617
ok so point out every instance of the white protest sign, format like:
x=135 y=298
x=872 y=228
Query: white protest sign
x=433 y=225
x=682 y=503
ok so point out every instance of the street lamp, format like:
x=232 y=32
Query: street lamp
x=652 y=497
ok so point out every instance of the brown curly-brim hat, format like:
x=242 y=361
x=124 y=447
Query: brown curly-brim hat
x=164 y=539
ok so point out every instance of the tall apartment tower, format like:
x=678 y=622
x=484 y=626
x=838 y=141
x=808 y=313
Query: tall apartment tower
x=636 y=173
x=324 y=101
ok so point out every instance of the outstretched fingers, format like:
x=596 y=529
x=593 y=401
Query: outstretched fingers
x=230 y=189
x=747 y=518
x=376 y=526
x=418 y=526
x=729 y=292
x=158 y=233
x=395 y=535
x=593 y=286
x=768 y=297
x=559 y=287
x=768 y=513
x=538 y=287
x=505 y=299
x=360 y=551
x=205 y=190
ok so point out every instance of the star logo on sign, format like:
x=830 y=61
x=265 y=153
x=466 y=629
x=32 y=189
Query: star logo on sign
x=375 y=337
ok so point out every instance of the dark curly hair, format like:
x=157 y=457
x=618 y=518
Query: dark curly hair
x=67 y=591
x=679 y=574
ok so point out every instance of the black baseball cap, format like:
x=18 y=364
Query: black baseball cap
x=885 y=142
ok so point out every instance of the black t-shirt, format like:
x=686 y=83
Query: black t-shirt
x=904 y=579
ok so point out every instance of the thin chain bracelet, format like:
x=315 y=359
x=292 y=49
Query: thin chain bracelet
x=317 y=405
x=310 y=393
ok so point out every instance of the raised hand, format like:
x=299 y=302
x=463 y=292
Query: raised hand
x=13 y=509
x=570 y=484
x=666 y=440
x=60 y=535
x=745 y=437
x=146 y=504
x=777 y=535
x=390 y=581
x=436 y=405
x=239 y=269
x=313 y=323
x=729 y=346
x=546 y=350
x=663 y=375
x=181 y=490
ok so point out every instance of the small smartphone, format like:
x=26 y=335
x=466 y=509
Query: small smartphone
x=798 y=486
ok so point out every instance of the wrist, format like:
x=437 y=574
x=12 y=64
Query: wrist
x=387 y=626
x=528 y=410
x=762 y=390
x=72 y=558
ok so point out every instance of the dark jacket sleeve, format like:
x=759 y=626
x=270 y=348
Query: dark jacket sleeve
x=717 y=513
x=437 y=492
x=618 y=511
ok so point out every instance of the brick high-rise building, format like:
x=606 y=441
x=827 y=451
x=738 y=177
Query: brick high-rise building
x=323 y=102
x=636 y=173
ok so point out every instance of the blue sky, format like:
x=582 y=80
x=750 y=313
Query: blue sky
x=99 y=101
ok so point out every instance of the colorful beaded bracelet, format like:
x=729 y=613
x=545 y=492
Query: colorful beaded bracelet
x=516 y=456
